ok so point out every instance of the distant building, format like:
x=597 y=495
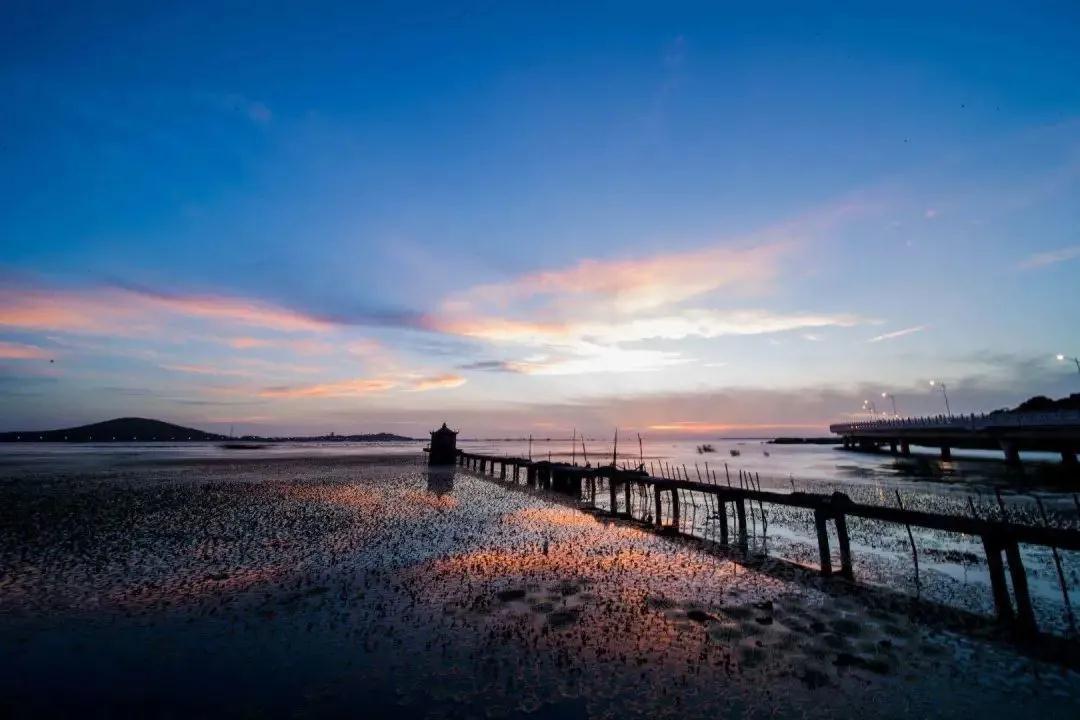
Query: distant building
x=443 y=449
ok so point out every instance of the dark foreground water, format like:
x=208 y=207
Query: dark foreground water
x=369 y=587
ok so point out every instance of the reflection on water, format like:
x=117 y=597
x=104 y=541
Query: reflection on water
x=322 y=587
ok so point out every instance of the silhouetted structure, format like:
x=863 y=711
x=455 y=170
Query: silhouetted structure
x=443 y=450
x=1012 y=431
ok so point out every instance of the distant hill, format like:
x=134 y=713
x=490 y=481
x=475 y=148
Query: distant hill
x=144 y=430
x=372 y=437
x=1041 y=403
x=125 y=429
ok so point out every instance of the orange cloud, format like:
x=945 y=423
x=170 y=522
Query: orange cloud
x=346 y=388
x=246 y=343
x=243 y=311
x=119 y=311
x=438 y=382
x=19 y=351
x=366 y=386
x=635 y=285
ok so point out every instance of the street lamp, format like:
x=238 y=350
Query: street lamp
x=936 y=383
x=1063 y=358
x=893 y=398
x=869 y=405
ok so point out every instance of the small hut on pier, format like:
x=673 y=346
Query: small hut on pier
x=443 y=450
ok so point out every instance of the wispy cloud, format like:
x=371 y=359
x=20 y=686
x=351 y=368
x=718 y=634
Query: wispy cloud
x=201 y=370
x=581 y=318
x=682 y=324
x=1051 y=257
x=897 y=334
x=127 y=311
x=20 y=351
x=366 y=386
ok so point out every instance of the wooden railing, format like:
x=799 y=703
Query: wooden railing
x=998 y=537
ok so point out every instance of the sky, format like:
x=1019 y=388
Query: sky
x=705 y=219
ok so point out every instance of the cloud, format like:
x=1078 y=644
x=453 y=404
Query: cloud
x=20 y=351
x=202 y=370
x=580 y=318
x=366 y=386
x=123 y=311
x=596 y=359
x=346 y=388
x=897 y=334
x=302 y=346
x=437 y=382
x=679 y=325
x=632 y=285
x=489 y=366
x=1050 y=258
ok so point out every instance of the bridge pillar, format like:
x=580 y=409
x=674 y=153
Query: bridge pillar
x=892 y=447
x=1012 y=452
x=502 y=470
x=1068 y=457
x=946 y=452
x=905 y=448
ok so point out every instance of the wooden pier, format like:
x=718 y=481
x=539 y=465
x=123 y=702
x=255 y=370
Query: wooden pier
x=637 y=495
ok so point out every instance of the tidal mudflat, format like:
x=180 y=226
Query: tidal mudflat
x=372 y=587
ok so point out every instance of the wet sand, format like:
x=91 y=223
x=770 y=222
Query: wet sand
x=370 y=587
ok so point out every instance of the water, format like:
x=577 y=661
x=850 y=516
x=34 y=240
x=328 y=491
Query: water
x=952 y=567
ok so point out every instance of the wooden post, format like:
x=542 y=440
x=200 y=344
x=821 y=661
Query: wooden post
x=675 y=509
x=502 y=470
x=823 y=541
x=722 y=506
x=997 y=578
x=845 y=546
x=530 y=474
x=626 y=495
x=740 y=512
x=517 y=473
x=1025 y=615
x=659 y=519
x=614 y=499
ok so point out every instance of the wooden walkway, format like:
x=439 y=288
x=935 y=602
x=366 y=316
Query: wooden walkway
x=585 y=483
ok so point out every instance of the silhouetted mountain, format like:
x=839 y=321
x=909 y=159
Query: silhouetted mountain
x=1041 y=403
x=143 y=430
x=120 y=429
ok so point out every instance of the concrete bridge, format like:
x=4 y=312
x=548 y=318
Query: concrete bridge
x=1009 y=432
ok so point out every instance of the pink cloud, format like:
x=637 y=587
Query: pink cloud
x=19 y=351
x=366 y=386
x=118 y=311
x=437 y=382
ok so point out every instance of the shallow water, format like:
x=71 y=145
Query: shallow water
x=374 y=587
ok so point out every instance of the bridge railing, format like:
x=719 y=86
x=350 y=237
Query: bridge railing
x=972 y=422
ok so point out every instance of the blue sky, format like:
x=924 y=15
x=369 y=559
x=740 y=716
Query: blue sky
x=679 y=218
